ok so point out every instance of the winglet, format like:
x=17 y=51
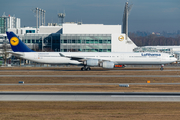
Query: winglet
x=16 y=44
x=61 y=55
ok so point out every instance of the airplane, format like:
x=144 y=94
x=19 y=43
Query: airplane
x=88 y=59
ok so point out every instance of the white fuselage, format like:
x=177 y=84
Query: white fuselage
x=117 y=58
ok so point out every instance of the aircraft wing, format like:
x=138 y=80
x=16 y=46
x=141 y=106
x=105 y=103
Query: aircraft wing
x=91 y=62
x=73 y=57
x=80 y=59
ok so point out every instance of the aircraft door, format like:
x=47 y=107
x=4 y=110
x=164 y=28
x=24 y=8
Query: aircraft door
x=163 y=57
x=36 y=56
x=122 y=57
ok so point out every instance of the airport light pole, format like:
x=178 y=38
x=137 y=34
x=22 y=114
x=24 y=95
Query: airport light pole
x=37 y=9
x=44 y=17
x=39 y=16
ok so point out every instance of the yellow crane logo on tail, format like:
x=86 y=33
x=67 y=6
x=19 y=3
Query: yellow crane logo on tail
x=121 y=38
x=14 y=41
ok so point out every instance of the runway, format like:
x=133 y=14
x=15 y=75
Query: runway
x=91 y=84
x=89 y=96
x=85 y=76
x=82 y=71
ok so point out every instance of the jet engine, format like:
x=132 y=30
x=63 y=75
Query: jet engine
x=91 y=62
x=107 y=64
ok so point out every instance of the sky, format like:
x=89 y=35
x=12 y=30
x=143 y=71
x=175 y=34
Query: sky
x=146 y=15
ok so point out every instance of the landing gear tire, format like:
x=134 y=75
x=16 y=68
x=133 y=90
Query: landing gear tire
x=85 y=68
x=88 y=68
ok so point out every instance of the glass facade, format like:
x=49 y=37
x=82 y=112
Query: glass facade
x=68 y=42
x=85 y=43
x=150 y=49
x=145 y=49
x=30 y=31
x=3 y=25
x=42 y=42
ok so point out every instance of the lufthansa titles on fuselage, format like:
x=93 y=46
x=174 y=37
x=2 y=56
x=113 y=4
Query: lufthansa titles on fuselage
x=150 y=54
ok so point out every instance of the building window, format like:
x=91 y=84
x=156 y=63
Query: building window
x=79 y=41
x=83 y=41
x=65 y=41
x=100 y=41
x=87 y=42
x=92 y=42
x=37 y=41
x=30 y=31
x=100 y=50
x=104 y=41
x=69 y=41
x=104 y=50
x=29 y=41
x=33 y=41
x=73 y=41
x=109 y=41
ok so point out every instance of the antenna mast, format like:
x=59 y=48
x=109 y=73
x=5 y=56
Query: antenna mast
x=125 y=19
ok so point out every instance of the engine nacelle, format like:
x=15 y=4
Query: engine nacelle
x=107 y=64
x=91 y=62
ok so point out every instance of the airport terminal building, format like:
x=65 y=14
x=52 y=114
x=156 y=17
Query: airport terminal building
x=76 y=37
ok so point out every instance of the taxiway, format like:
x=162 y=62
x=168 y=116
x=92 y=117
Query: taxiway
x=173 y=76
x=90 y=96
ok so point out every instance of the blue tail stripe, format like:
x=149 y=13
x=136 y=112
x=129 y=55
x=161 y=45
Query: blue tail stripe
x=20 y=47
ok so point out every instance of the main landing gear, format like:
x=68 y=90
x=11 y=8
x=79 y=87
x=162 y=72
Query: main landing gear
x=85 y=68
x=162 y=67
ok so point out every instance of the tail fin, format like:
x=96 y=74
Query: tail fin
x=16 y=44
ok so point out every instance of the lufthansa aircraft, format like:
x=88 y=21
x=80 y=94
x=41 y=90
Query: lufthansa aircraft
x=88 y=59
